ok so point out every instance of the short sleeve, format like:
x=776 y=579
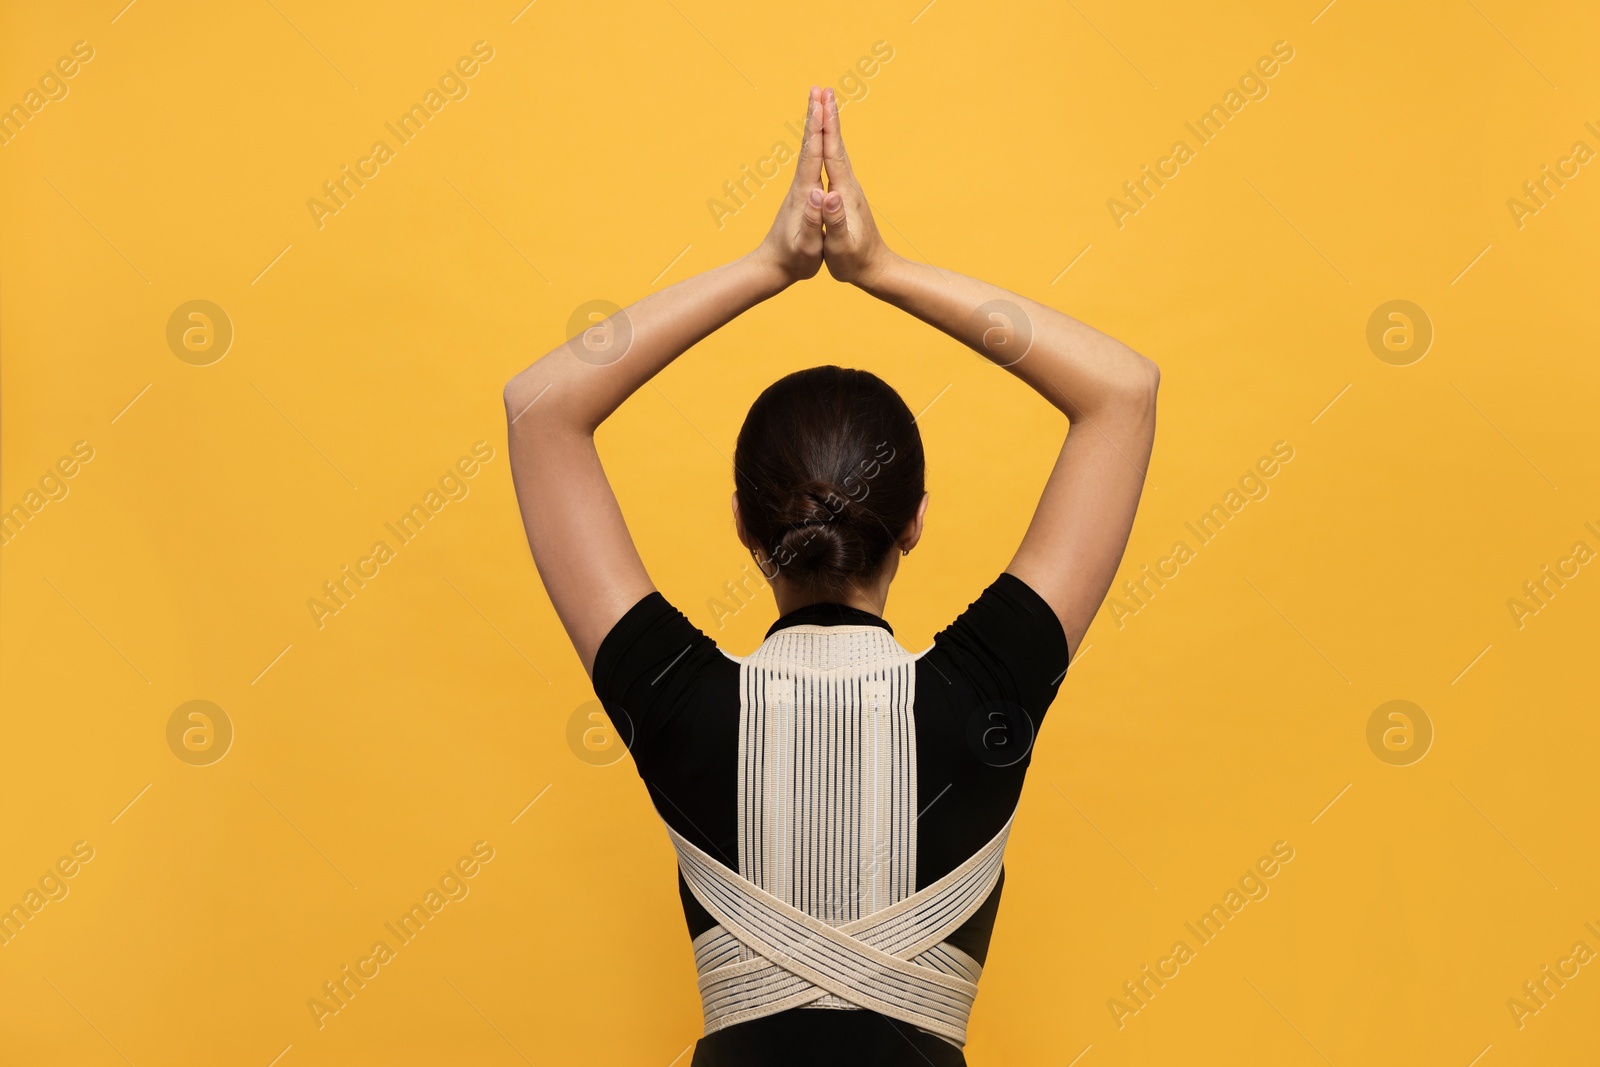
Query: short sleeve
x=1009 y=645
x=646 y=671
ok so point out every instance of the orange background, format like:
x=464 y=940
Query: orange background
x=1230 y=712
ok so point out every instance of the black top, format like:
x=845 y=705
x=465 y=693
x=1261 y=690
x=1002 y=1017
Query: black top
x=982 y=690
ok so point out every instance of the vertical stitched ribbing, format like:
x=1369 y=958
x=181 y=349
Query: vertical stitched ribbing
x=827 y=771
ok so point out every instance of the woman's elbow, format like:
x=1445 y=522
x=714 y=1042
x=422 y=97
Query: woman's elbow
x=514 y=401
x=1152 y=376
x=1139 y=382
x=521 y=396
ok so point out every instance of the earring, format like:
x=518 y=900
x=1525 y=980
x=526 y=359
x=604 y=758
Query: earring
x=905 y=552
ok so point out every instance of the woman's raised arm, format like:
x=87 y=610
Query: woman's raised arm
x=1070 y=552
x=580 y=542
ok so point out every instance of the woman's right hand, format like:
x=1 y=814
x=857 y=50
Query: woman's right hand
x=851 y=245
x=794 y=244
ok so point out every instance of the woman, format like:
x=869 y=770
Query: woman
x=839 y=901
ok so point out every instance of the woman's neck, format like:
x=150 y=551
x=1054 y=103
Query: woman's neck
x=867 y=594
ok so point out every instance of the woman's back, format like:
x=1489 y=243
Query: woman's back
x=840 y=773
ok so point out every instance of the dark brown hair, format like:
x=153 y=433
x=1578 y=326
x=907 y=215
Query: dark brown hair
x=828 y=470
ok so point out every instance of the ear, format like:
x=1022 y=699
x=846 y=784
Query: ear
x=738 y=524
x=913 y=531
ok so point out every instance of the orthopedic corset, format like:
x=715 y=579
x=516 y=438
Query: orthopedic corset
x=823 y=911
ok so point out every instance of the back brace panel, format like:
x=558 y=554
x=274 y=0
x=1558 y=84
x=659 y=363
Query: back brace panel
x=824 y=911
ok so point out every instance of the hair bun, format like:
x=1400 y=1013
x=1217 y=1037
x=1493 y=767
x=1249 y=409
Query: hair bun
x=817 y=535
x=814 y=503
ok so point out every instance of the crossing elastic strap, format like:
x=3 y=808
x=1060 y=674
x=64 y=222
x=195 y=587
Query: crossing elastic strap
x=892 y=961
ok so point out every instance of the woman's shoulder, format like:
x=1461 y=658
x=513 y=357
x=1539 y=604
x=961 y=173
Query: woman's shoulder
x=652 y=633
x=1008 y=643
x=656 y=671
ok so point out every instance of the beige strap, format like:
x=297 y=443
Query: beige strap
x=892 y=961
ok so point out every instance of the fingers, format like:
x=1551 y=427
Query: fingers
x=833 y=153
x=811 y=214
x=808 y=172
x=833 y=213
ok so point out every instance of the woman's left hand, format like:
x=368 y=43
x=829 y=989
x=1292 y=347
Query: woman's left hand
x=794 y=244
